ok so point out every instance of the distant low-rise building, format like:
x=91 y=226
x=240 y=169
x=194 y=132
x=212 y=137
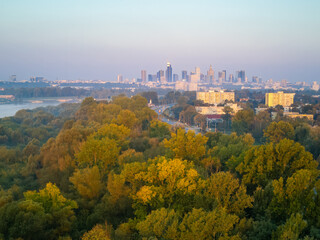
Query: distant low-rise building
x=298 y=115
x=193 y=86
x=213 y=97
x=217 y=110
x=260 y=109
x=279 y=98
x=181 y=85
x=8 y=97
x=315 y=86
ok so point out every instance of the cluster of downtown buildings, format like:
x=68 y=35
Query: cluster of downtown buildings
x=188 y=82
x=195 y=81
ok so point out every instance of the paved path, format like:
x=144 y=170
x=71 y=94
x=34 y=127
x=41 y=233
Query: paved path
x=161 y=108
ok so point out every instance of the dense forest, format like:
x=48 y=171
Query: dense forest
x=113 y=170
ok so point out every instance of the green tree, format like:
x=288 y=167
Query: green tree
x=202 y=121
x=242 y=122
x=102 y=153
x=159 y=130
x=296 y=195
x=197 y=224
x=227 y=115
x=25 y=219
x=292 y=229
x=115 y=132
x=228 y=193
x=58 y=207
x=161 y=223
x=261 y=121
x=202 y=225
x=264 y=163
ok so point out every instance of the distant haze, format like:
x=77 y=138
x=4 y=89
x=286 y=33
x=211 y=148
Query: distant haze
x=72 y=39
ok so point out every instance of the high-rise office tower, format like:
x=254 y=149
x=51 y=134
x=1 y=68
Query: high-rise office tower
x=169 y=73
x=143 y=75
x=198 y=72
x=202 y=77
x=160 y=74
x=224 y=75
x=184 y=75
x=195 y=77
x=119 y=78
x=241 y=74
x=255 y=79
x=210 y=75
x=231 y=78
x=175 y=77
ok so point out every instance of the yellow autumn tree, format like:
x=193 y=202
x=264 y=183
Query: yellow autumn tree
x=58 y=208
x=228 y=193
x=168 y=182
x=188 y=146
x=98 y=232
x=87 y=182
x=102 y=153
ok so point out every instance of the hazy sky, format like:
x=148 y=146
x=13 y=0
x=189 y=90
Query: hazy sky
x=98 y=39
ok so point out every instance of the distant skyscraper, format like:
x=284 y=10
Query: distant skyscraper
x=231 y=78
x=184 y=75
x=160 y=74
x=143 y=75
x=283 y=83
x=13 y=78
x=169 y=73
x=175 y=77
x=210 y=75
x=119 y=78
x=202 y=77
x=195 y=77
x=242 y=75
x=255 y=79
x=198 y=72
x=37 y=79
x=40 y=79
x=224 y=75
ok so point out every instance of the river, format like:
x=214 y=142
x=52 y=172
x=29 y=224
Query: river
x=10 y=109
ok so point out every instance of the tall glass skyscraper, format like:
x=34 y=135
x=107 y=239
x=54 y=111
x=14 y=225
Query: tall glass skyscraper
x=169 y=73
x=184 y=74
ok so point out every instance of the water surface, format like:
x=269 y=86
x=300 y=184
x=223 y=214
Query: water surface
x=10 y=109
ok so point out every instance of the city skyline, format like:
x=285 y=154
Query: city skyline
x=75 y=39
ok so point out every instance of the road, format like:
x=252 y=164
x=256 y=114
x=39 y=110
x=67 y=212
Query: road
x=160 y=109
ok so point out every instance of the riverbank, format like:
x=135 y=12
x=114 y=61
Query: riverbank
x=10 y=109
